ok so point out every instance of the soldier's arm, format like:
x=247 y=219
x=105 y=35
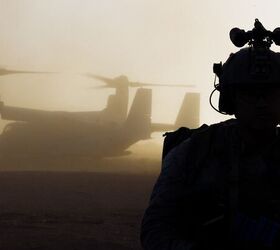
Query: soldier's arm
x=167 y=223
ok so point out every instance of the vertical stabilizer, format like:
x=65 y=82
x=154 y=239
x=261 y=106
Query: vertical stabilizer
x=189 y=113
x=116 y=109
x=138 y=123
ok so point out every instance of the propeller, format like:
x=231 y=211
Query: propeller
x=4 y=71
x=123 y=81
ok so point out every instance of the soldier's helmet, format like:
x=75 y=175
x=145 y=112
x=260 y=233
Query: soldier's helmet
x=251 y=67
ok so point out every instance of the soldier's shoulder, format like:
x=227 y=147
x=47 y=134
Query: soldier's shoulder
x=177 y=140
x=213 y=139
x=216 y=130
x=198 y=139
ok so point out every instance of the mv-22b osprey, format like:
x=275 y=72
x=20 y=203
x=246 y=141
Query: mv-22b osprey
x=97 y=134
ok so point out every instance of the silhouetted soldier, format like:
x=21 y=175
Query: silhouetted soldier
x=220 y=188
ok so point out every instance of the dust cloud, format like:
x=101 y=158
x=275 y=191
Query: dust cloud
x=76 y=167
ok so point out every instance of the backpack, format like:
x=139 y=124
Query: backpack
x=173 y=139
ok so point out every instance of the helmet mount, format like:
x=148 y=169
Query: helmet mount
x=254 y=65
x=258 y=37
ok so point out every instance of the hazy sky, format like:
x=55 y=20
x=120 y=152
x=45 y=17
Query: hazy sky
x=160 y=41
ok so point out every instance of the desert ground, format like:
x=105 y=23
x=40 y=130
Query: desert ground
x=69 y=203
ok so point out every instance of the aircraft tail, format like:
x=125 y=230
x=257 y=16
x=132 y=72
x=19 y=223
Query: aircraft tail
x=138 y=123
x=116 y=109
x=188 y=115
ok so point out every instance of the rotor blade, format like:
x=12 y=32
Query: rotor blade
x=140 y=84
x=4 y=71
x=107 y=80
x=115 y=82
x=99 y=87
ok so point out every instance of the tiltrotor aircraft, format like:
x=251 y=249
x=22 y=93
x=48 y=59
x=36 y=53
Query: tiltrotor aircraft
x=98 y=134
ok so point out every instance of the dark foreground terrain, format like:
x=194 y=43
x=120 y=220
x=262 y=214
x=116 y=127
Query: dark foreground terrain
x=98 y=210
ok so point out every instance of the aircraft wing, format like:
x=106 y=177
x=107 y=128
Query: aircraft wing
x=158 y=127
